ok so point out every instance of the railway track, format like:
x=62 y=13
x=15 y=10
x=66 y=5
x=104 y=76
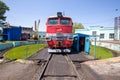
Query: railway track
x=58 y=66
x=43 y=65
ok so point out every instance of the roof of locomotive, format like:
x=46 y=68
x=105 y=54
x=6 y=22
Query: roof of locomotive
x=57 y=16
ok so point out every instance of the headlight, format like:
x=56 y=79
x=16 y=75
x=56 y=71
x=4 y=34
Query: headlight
x=48 y=38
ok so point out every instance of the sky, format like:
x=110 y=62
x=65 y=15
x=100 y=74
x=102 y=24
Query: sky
x=87 y=12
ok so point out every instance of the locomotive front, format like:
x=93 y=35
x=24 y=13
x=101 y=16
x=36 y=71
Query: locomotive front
x=59 y=33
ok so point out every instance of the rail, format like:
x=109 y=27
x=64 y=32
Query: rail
x=77 y=74
x=44 y=68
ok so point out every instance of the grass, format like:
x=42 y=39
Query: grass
x=23 y=52
x=101 y=53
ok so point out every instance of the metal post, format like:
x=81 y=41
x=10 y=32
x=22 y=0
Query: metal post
x=26 y=51
x=38 y=43
x=95 y=49
x=119 y=28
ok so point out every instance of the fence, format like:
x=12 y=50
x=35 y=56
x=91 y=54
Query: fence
x=15 y=44
x=111 y=46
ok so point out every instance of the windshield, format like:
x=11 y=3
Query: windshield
x=65 y=21
x=53 y=21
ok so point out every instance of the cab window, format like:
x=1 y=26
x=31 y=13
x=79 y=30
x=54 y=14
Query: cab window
x=53 y=21
x=65 y=21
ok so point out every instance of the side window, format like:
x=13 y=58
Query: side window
x=101 y=36
x=94 y=33
x=111 y=36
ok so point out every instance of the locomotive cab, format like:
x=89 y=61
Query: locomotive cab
x=59 y=33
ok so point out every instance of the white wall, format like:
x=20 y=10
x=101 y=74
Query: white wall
x=111 y=46
x=105 y=30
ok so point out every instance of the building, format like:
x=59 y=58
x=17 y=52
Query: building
x=3 y=25
x=27 y=33
x=81 y=43
x=100 y=32
x=27 y=30
x=41 y=34
x=13 y=33
x=1 y=31
x=117 y=28
x=17 y=33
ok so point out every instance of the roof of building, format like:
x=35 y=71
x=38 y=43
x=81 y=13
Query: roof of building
x=96 y=28
x=80 y=34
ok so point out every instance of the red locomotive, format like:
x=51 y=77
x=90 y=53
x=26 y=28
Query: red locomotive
x=59 y=33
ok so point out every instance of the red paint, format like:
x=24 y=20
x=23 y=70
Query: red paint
x=62 y=25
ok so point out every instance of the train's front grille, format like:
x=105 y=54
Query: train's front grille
x=59 y=38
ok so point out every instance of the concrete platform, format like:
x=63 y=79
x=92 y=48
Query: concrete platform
x=106 y=69
x=80 y=57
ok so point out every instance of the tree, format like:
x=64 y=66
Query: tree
x=77 y=26
x=3 y=9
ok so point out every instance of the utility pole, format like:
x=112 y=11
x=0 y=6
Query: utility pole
x=118 y=24
x=95 y=49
